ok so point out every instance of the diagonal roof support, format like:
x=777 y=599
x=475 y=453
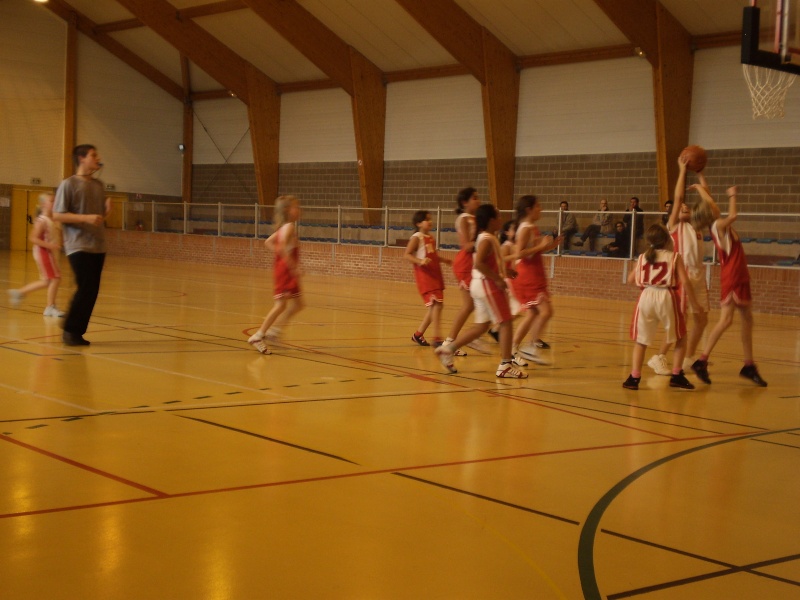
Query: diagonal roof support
x=668 y=47
x=88 y=28
x=495 y=67
x=255 y=89
x=346 y=67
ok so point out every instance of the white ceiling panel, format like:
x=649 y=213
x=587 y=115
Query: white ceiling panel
x=383 y=32
x=251 y=38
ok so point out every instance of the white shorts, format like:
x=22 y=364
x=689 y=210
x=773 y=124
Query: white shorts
x=657 y=306
x=491 y=303
x=700 y=293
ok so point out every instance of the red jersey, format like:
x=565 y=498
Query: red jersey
x=286 y=284
x=428 y=277
x=734 y=278
x=531 y=280
x=462 y=264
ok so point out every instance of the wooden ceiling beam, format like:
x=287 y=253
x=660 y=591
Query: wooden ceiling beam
x=87 y=27
x=349 y=69
x=672 y=93
x=191 y=12
x=496 y=68
x=253 y=87
x=637 y=20
x=310 y=36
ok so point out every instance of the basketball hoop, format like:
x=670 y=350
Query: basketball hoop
x=768 y=89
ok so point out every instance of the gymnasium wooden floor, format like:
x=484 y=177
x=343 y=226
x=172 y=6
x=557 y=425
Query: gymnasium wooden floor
x=171 y=461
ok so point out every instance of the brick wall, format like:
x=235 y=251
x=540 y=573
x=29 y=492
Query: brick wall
x=769 y=180
x=774 y=290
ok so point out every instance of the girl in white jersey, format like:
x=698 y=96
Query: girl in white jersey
x=687 y=242
x=658 y=272
x=488 y=293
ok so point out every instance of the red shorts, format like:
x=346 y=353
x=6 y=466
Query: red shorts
x=432 y=296
x=739 y=294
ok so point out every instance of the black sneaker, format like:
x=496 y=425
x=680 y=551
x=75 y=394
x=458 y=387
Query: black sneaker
x=700 y=368
x=632 y=383
x=420 y=340
x=750 y=372
x=680 y=381
x=542 y=344
x=70 y=339
x=495 y=335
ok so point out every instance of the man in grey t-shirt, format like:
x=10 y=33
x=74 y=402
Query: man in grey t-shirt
x=81 y=206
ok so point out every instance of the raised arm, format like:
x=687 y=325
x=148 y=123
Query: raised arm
x=726 y=222
x=680 y=194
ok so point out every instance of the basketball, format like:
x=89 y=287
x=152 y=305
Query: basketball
x=695 y=157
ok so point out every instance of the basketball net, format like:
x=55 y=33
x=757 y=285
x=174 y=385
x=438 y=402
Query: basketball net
x=768 y=89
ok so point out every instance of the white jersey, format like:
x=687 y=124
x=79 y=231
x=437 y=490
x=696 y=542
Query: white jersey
x=688 y=243
x=662 y=273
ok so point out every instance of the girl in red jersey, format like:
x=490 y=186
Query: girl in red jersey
x=530 y=286
x=46 y=245
x=488 y=293
x=286 y=272
x=658 y=272
x=468 y=203
x=421 y=252
x=734 y=281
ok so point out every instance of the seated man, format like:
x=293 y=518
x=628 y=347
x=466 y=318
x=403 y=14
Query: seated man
x=621 y=246
x=569 y=226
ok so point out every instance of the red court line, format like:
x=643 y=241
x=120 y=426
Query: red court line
x=254 y=486
x=489 y=392
x=74 y=463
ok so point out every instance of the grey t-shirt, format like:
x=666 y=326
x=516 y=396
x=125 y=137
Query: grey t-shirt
x=82 y=196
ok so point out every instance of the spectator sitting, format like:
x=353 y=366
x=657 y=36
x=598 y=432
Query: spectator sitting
x=667 y=213
x=620 y=247
x=569 y=226
x=601 y=223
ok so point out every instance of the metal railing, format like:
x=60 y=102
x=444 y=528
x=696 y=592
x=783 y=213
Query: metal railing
x=770 y=239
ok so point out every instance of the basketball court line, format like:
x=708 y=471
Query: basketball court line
x=159 y=495
x=731 y=570
x=586 y=542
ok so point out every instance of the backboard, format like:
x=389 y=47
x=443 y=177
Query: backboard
x=771 y=35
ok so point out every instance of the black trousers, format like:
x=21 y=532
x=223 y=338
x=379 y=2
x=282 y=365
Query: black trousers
x=87 y=267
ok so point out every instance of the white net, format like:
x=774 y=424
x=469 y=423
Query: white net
x=768 y=89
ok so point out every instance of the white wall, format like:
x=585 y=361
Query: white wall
x=722 y=115
x=135 y=125
x=587 y=108
x=31 y=94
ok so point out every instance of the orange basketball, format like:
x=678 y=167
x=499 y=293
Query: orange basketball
x=695 y=157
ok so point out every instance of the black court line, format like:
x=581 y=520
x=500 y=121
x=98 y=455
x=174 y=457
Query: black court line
x=269 y=439
x=586 y=566
x=750 y=569
x=489 y=499
x=729 y=567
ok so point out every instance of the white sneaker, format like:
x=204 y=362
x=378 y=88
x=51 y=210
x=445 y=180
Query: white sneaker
x=52 y=311
x=458 y=352
x=15 y=297
x=518 y=361
x=257 y=341
x=445 y=357
x=480 y=346
x=507 y=371
x=658 y=362
x=532 y=354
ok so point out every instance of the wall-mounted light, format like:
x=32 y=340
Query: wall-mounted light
x=110 y=187
x=181 y=147
x=639 y=52
x=40 y=1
